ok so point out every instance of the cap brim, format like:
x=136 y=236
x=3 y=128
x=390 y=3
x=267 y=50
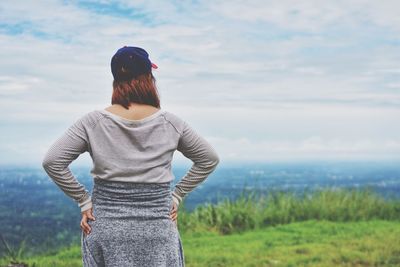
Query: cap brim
x=154 y=66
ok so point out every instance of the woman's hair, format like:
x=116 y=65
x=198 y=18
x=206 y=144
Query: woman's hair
x=141 y=90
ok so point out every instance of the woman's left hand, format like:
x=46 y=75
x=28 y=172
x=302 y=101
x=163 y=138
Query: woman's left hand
x=87 y=215
x=174 y=213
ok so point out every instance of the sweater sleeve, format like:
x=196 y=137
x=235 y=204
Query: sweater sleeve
x=59 y=156
x=203 y=156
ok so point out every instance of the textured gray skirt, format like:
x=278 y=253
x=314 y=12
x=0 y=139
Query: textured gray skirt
x=132 y=227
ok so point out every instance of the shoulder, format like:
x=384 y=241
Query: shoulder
x=177 y=122
x=90 y=119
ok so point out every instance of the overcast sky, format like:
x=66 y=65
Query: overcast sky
x=262 y=81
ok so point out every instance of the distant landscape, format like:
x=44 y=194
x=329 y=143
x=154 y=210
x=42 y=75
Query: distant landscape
x=33 y=211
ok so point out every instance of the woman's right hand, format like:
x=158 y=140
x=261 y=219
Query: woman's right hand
x=86 y=216
x=174 y=213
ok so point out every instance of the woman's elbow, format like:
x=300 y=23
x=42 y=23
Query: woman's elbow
x=214 y=159
x=47 y=162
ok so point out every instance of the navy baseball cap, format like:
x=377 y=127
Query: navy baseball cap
x=130 y=62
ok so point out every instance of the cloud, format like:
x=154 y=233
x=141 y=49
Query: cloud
x=263 y=62
x=312 y=148
x=312 y=15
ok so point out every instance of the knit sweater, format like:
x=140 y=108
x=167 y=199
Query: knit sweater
x=130 y=151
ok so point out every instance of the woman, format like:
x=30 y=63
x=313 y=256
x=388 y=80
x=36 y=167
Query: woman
x=131 y=217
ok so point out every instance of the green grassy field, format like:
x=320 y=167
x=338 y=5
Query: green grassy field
x=325 y=228
x=309 y=243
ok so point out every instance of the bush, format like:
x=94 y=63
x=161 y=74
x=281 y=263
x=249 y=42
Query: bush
x=249 y=211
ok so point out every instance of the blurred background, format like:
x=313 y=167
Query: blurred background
x=293 y=95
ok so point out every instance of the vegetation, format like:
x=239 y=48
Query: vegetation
x=328 y=227
x=252 y=211
x=309 y=243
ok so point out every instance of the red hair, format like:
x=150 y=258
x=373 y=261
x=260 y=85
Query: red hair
x=141 y=90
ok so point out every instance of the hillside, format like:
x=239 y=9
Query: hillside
x=323 y=228
x=309 y=243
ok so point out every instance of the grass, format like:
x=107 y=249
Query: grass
x=251 y=211
x=345 y=227
x=309 y=243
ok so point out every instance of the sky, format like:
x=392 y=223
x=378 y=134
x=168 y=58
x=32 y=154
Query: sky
x=262 y=81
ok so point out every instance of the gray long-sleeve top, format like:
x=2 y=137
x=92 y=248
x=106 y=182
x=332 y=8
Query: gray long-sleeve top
x=130 y=151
